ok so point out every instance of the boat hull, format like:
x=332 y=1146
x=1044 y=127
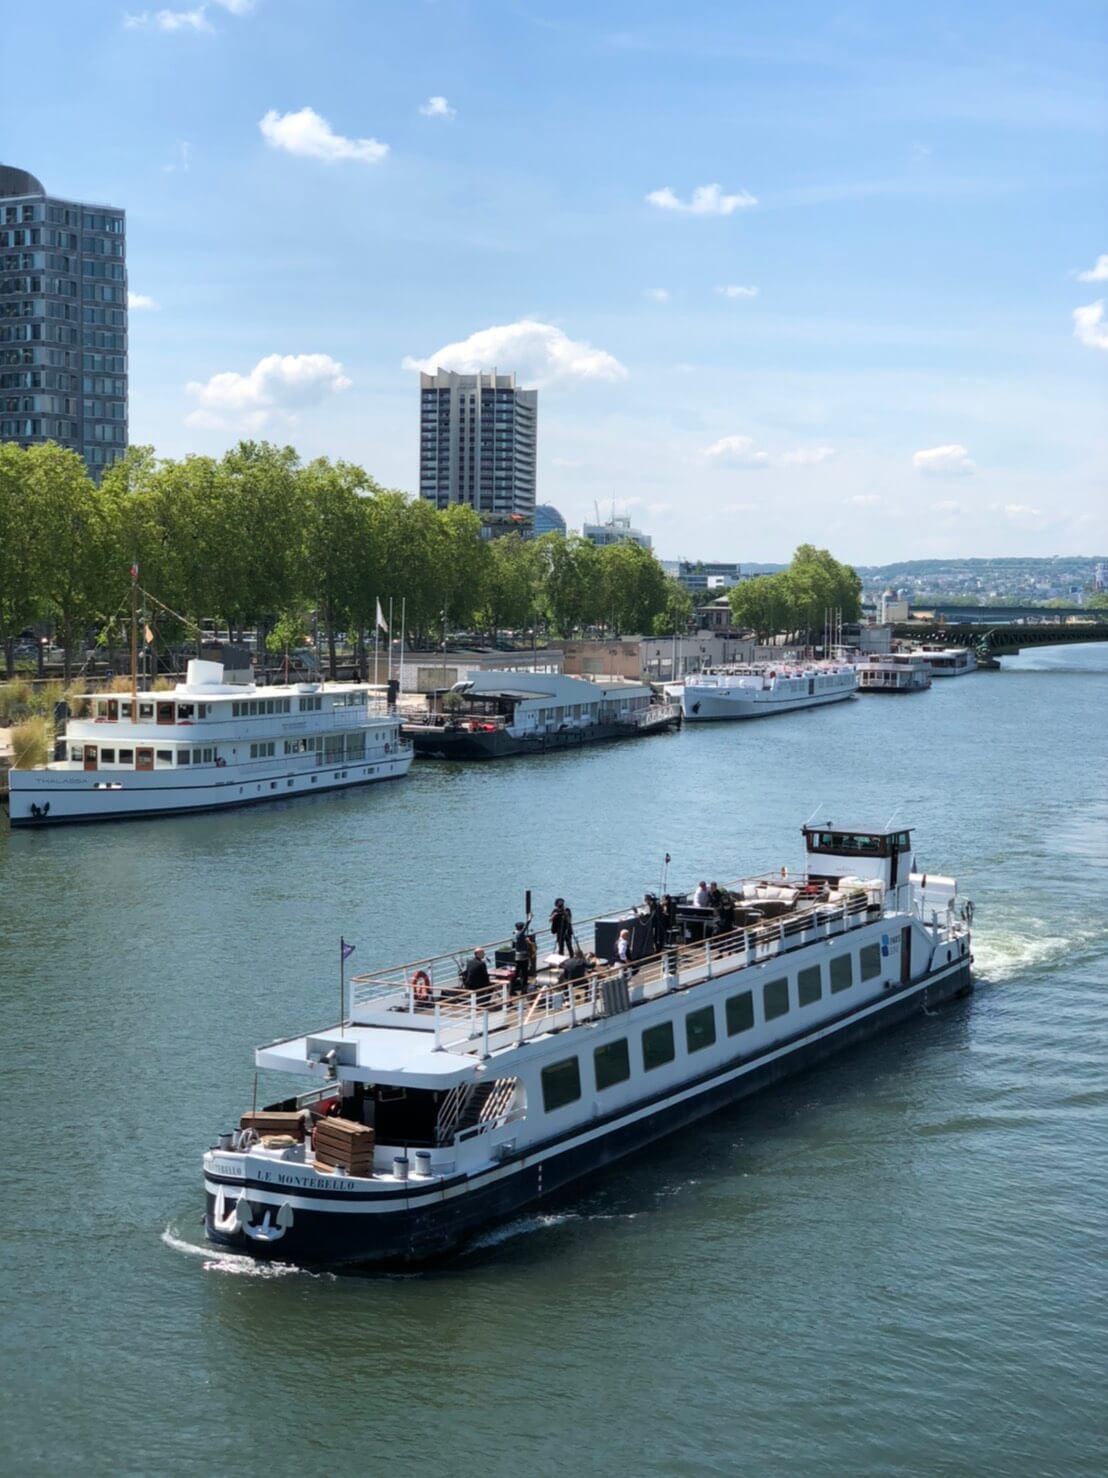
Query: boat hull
x=60 y=798
x=702 y=706
x=466 y=744
x=425 y=1220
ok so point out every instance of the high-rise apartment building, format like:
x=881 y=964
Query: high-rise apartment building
x=63 y=321
x=477 y=444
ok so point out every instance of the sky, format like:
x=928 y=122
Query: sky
x=807 y=272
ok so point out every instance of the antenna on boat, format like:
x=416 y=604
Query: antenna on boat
x=892 y=818
x=814 y=814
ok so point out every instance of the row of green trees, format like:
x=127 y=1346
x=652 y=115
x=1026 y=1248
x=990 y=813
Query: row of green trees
x=799 y=601
x=257 y=538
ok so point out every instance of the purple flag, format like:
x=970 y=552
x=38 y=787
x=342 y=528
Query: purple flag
x=347 y=949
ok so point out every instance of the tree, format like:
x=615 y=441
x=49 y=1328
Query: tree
x=22 y=551
x=71 y=522
x=632 y=587
x=335 y=526
x=569 y=579
x=511 y=580
x=677 y=613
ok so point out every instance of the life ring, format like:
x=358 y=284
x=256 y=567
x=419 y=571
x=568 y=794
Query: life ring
x=421 y=986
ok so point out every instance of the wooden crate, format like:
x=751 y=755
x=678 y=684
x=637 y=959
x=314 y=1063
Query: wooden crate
x=274 y=1122
x=342 y=1142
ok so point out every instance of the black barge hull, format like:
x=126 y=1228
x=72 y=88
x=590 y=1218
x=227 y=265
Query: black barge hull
x=425 y=1221
x=462 y=743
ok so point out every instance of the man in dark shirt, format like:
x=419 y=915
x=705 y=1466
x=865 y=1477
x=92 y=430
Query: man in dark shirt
x=561 y=926
x=521 y=956
x=475 y=976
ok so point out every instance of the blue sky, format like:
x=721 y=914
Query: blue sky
x=910 y=207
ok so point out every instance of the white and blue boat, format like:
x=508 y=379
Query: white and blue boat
x=462 y=1107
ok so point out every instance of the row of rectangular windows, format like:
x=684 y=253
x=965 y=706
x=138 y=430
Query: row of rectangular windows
x=561 y=1081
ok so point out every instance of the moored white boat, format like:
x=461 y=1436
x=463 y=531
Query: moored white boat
x=459 y=1108
x=948 y=661
x=759 y=689
x=894 y=672
x=207 y=745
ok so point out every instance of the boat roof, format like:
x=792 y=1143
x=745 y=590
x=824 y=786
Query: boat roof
x=555 y=685
x=857 y=828
x=403 y=1055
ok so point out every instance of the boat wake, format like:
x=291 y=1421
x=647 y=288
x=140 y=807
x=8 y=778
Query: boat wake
x=215 y=1261
x=527 y=1226
x=1003 y=956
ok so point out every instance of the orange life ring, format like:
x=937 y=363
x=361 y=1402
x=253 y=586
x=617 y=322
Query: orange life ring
x=421 y=985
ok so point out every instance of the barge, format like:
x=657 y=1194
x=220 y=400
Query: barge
x=432 y=1110
x=491 y=715
x=761 y=689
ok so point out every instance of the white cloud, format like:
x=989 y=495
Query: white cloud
x=237 y=7
x=537 y=352
x=276 y=388
x=1021 y=511
x=656 y=294
x=807 y=456
x=1089 y=327
x=947 y=505
x=731 y=290
x=706 y=200
x=944 y=461
x=168 y=20
x=737 y=451
x=864 y=500
x=140 y=301
x=437 y=107
x=659 y=510
x=311 y=137
x=1097 y=273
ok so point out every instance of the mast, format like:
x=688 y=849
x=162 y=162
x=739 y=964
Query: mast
x=134 y=643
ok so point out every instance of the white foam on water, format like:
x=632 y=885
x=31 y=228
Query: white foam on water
x=234 y=1262
x=523 y=1226
x=1006 y=955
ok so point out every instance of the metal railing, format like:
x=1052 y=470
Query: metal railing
x=471 y=1021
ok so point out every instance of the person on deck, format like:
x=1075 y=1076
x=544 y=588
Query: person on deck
x=702 y=898
x=475 y=976
x=521 y=956
x=561 y=926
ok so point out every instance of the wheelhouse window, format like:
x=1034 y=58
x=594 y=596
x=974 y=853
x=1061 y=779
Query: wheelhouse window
x=869 y=961
x=186 y=713
x=184 y=756
x=612 y=1064
x=126 y=756
x=146 y=710
x=775 y=999
x=842 y=973
x=107 y=756
x=809 y=986
x=164 y=756
x=657 y=1045
x=561 y=1084
x=700 y=1028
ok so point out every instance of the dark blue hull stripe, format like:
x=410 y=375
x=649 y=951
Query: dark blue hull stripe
x=430 y=1220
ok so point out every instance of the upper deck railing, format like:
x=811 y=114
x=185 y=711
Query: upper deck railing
x=478 y=1022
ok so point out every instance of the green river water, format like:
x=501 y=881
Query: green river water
x=894 y=1264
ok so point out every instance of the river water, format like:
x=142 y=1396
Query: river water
x=894 y=1264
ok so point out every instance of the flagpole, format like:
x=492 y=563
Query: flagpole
x=390 y=638
x=342 y=986
x=403 y=623
x=376 y=642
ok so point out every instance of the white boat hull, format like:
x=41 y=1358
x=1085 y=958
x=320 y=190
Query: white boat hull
x=701 y=705
x=64 y=796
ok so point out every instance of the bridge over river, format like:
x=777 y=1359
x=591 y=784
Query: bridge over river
x=1003 y=635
